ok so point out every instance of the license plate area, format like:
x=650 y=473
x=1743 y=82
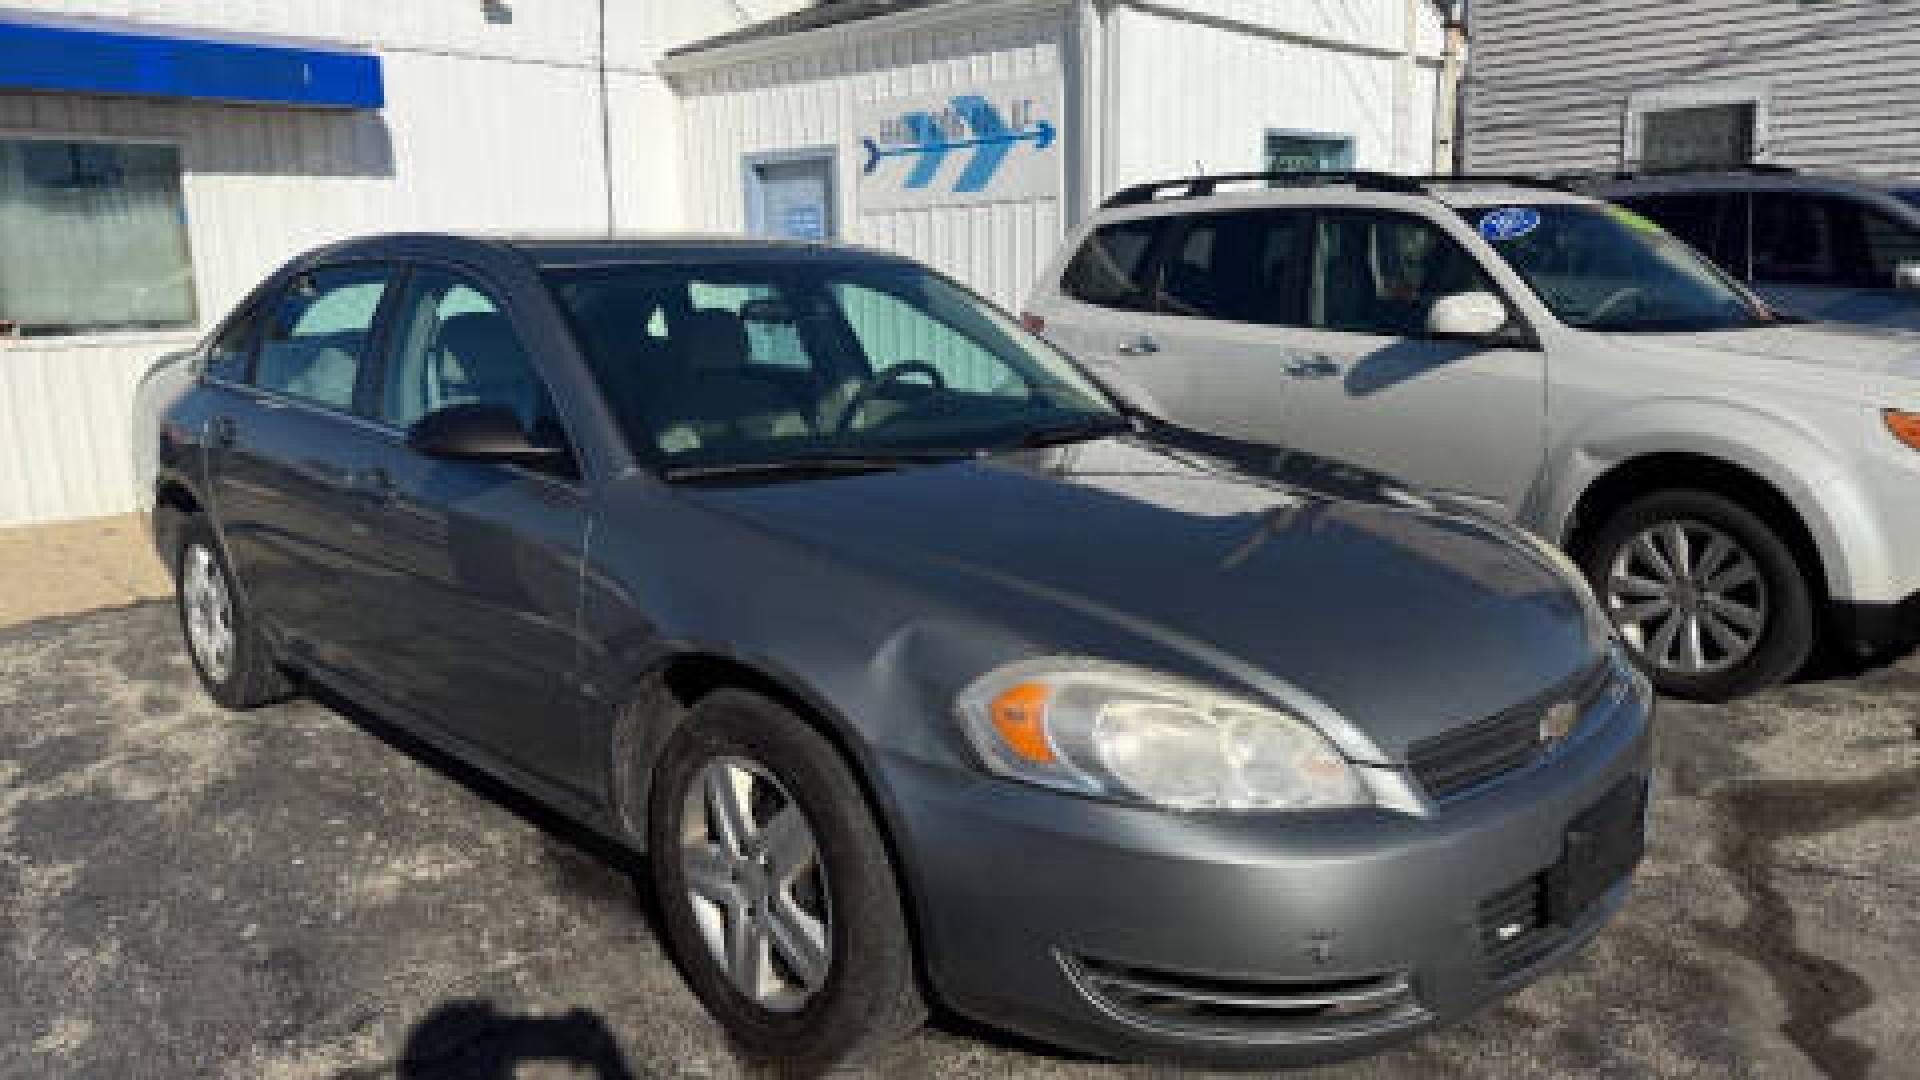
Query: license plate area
x=1603 y=845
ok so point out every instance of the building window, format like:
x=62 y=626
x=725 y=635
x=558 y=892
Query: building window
x=1293 y=151
x=1703 y=137
x=1721 y=126
x=95 y=238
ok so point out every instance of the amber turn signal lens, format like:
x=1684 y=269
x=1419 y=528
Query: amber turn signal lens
x=1020 y=717
x=1905 y=426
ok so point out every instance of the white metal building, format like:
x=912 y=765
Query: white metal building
x=135 y=207
x=806 y=125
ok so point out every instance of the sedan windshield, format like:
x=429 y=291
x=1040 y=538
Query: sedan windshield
x=1607 y=268
x=730 y=369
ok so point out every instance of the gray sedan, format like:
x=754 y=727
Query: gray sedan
x=923 y=669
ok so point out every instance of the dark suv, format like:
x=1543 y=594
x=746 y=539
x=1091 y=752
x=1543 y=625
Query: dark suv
x=918 y=665
x=1836 y=248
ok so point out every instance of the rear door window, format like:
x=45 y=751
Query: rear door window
x=1376 y=272
x=232 y=352
x=319 y=333
x=1248 y=267
x=1112 y=268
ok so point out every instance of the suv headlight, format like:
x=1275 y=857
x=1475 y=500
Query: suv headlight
x=1121 y=733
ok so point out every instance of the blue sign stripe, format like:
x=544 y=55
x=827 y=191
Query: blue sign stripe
x=41 y=56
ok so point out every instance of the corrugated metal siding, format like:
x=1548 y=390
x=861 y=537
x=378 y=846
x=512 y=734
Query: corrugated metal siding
x=1173 y=111
x=1551 y=79
x=64 y=418
x=488 y=126
x=807 y=100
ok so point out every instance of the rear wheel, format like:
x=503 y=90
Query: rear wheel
x=233 y=660
x=775 y=888
x=1706 y=594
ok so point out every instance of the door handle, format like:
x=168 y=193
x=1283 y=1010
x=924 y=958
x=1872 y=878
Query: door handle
x=221 y=432
x=373 y=482
x=1140 y=346
x=1313 y=367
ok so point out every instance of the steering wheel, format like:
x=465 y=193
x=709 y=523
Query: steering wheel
x=880 y=382
x=1620 y=298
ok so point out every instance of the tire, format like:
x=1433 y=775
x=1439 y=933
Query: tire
x=243 y=675
x=867 y=997
x=1772 y=584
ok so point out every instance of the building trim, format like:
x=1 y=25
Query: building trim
x=828 y=37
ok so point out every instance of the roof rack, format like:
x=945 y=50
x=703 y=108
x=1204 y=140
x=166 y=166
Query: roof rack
x=1195 y=187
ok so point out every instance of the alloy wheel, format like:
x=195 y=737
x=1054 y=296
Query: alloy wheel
x=756 y=884
x=209 y=609
x=1688 y=597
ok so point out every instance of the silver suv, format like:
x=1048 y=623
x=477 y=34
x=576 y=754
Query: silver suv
x=1735 y=485
x=1821 y=247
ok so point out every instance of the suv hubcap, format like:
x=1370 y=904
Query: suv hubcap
x=1688 y=598
x=756 y=885
x=203 y=589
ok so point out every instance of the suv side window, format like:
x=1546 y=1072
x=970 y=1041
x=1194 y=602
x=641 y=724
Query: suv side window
x=1713 y=222
x=1376 y=272
x=1111 y=269
x=454 y=346
x=319 y=332
x=1827 y=240
x=1249 y=266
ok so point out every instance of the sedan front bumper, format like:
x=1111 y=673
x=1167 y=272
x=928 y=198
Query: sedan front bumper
x=1258 y=938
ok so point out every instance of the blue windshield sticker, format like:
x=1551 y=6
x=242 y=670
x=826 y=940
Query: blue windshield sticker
x=1509 y=223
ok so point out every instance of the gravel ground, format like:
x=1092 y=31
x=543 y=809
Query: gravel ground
x=301 y=892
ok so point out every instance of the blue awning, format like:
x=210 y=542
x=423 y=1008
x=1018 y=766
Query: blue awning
x=90 y=56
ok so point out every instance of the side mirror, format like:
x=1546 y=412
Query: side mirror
x=478 y=433
x=1473 y=315
x=1906 y=275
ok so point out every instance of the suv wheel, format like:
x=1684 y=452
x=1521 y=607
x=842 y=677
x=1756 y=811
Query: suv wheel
x=775 y=889
x=1707 y=595
x=234 y=662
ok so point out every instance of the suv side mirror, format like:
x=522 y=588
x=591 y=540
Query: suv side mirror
x=478 y=432
x=1906 y=275
x=1473 y=315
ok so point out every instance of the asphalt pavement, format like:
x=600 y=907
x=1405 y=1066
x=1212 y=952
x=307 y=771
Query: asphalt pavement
x=302 y=892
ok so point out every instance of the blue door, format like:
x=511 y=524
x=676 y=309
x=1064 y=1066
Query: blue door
x=792 y=199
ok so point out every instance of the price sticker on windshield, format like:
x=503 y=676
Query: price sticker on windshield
x=1509 y=223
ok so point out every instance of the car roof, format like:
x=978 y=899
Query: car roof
x=1827 y=183
x=552 y=250
x=1462 y=197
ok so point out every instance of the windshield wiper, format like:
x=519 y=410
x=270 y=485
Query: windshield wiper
x=835 y=462
x=1083 y=430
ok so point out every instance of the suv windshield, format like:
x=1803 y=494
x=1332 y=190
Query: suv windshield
x=726 y=368
x=1601 y=267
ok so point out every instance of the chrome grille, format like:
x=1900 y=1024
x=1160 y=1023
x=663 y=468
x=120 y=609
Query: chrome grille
x=1461 y=760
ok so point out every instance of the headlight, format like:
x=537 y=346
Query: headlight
x=1099 y=729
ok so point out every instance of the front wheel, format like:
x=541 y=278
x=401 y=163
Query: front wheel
x=775 y=888
x=1706 y=594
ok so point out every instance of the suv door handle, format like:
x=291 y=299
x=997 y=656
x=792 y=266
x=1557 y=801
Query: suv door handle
x=1313 y=367
x=1140 y=346
x=221 y=432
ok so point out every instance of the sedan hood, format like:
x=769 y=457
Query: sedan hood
x=1407 y=621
